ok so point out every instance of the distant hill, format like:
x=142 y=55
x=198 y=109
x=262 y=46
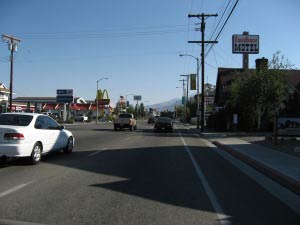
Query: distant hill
x=168 y=105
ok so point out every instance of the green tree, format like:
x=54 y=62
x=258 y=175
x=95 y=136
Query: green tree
x=179 y=112
x=293 y=103
x=130 y=109
x=142 y=110
x=259 y=94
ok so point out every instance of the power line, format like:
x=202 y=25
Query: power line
x=213 y=32
x=223 y=26
x=105 y=35
x=187 y=62
x=106 y=30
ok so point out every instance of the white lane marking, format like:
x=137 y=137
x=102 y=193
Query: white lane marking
x=284 y=195
x=211 y=195
x=97 y=152
x=11 y=190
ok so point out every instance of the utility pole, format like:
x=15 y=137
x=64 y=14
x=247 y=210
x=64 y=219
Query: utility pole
x=187 y=92
x=185 y=110
x=137 y=109
x=12 y=45
x=202 y=42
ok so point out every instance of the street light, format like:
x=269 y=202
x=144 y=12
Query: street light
x=198 y=99
x=105 y=78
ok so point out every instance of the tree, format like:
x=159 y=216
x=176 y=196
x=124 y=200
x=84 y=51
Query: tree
x=260 y=94
x=293 y=103
x=179 y=110
x=130 y=109
x=142 y=110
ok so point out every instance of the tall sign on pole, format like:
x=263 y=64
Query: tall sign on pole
x=245 y=44
x=64 y=96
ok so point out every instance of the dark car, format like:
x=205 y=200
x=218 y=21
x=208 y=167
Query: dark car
x=163 y=124
x=151 y=120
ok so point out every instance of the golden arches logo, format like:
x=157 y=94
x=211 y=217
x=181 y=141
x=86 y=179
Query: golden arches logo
x=102 y=94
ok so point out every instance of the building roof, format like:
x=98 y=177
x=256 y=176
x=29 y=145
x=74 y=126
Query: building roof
x=4 y=89
x=45 y=99
x=35 y=99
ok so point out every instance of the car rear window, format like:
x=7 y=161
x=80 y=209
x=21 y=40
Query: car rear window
x=163 y=120
x=125 y=116
x=15 y=120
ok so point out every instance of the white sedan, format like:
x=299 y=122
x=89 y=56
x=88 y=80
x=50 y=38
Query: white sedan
x=32 y=135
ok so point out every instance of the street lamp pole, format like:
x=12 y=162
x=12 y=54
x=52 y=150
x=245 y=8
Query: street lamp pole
x=97 y=110
x=198 y=98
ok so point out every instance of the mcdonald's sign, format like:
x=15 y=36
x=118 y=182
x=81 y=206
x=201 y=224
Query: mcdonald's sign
x=103 y=98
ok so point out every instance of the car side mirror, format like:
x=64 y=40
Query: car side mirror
x=61 y=127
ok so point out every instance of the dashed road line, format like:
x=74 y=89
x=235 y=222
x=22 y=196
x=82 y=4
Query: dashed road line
x=96 y=152
x=14 y=189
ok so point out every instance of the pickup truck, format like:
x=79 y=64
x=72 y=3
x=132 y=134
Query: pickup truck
x=125 y=120
x=81 y=118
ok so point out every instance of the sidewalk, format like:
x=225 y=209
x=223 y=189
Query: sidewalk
x=281 y=167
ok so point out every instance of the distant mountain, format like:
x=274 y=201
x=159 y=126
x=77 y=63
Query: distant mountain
x=168 y=105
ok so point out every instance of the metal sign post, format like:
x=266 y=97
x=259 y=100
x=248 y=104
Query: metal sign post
x=64 y=96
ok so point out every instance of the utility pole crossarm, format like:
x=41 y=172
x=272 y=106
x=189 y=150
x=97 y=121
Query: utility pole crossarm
x=201 y=15
x=9 y=37
x=205 y=42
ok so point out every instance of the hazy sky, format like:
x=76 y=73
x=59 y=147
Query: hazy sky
x=135 y=43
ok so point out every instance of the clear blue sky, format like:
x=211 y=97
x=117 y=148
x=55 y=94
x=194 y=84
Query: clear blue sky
x=71 y=44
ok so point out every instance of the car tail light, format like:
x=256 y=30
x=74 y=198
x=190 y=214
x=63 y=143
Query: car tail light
x=13 y=136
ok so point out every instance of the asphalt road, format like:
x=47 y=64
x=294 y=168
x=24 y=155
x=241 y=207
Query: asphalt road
x=139 y=177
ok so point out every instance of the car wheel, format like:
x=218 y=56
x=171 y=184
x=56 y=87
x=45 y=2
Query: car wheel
x=36 y=154
x=70 y=145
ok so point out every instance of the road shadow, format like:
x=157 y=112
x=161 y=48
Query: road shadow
x=166 y=175
x=162 y=174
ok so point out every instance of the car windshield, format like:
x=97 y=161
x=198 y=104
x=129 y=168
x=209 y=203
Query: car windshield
x=15 y=120
x=125 y=116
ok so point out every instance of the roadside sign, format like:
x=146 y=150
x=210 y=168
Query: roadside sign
x=64 y=99
x=137 y=98
x=235 y=119
x=64 y=95
x=245 y=44
x=103 y=101
x=193 y=81
x=64 y=92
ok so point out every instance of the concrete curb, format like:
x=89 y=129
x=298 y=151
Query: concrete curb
x=275 y=175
